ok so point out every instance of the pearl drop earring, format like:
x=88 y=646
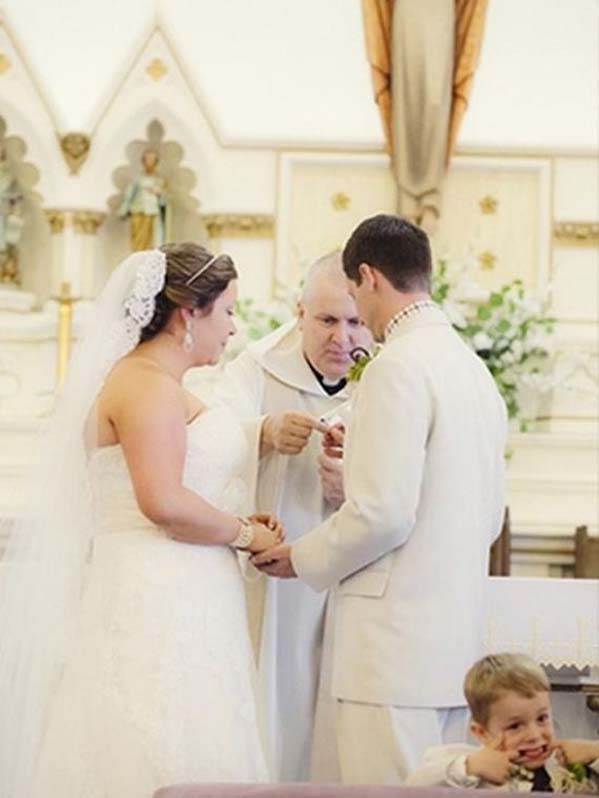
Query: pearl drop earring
x=188 y=337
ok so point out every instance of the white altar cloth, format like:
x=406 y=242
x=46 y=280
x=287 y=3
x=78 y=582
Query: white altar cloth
x=555 y=621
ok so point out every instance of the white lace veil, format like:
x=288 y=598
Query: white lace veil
x=42 y=569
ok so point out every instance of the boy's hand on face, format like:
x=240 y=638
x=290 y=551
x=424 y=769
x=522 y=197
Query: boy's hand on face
x=571 y=751
x=492 y=763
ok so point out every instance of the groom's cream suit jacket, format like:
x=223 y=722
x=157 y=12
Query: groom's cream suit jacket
x=408 y=550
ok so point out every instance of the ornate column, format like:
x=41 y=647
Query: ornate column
x=65 y=331
x=73 y=253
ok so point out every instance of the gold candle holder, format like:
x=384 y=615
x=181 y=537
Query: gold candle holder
x=65 y=327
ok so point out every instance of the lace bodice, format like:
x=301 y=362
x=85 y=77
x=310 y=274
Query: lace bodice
x=216 y=455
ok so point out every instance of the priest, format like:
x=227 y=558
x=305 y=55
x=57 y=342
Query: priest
x=284 y=385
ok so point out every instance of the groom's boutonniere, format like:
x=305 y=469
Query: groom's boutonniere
x=361 y=358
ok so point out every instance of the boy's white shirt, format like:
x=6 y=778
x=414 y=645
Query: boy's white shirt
x=445 y=765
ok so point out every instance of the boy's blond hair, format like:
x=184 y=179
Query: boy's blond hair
x=495 y=674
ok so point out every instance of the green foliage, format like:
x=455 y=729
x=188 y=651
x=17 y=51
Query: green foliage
x=507 y=328
x=257 y=322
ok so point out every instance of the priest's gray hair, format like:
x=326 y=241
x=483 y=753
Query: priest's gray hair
x=328 y=268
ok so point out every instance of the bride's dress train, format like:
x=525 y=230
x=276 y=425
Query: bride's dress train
x=160 y=686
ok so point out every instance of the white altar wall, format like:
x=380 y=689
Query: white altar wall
x=271 y=105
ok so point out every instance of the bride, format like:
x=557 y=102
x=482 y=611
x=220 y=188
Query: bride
x=125 y=661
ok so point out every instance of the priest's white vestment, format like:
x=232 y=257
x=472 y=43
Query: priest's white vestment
x=286 y=617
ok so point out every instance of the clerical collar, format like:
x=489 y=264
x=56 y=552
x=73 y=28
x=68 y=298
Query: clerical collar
x=329 y=387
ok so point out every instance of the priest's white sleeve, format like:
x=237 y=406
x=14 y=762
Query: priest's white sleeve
x=384 y=466
x=241 y=389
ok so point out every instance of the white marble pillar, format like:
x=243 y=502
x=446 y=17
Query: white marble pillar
x=74 y=250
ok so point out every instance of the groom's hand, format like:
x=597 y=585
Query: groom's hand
x=276 y=562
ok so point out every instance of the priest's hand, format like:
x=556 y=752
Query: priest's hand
x=276 y=562
x=333 y=440
x=331 y=478
x=288 y=432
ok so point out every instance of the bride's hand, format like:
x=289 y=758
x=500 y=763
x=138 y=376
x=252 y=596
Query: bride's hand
x=264 y=537
x=272 y=522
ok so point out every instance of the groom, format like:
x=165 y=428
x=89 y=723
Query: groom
x=408 y=549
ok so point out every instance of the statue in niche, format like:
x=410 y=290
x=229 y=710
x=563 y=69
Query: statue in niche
x=146 y=205
x=11 y=221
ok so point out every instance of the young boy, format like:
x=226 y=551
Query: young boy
x=508 y=697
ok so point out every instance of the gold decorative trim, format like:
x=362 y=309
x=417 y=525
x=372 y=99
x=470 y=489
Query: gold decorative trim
x=87 y=221
x=576 y=232
x=5 y=64
x=239 y=225
x=487 y=260
x=340 y=201
x=488 y=204
x=157 y=69
x=65 y=324
x=56 y=219
x=75 y=148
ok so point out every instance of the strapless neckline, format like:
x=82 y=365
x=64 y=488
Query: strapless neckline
x=111 y=447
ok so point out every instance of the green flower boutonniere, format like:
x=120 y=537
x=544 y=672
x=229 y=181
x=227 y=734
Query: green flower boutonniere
x=361 y=358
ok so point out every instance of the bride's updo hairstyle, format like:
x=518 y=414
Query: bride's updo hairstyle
x=182 y=289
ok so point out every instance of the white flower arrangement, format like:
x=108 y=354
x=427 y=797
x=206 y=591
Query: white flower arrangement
x=508 y=328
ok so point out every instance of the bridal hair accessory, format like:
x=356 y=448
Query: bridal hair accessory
x=201 y=270
x=149 y=269
x=149 y=281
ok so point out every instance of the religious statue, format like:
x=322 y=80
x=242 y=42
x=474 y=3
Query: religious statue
x=11 y=222
x=146 y=205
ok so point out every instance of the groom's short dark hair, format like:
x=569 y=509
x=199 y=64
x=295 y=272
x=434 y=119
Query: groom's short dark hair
x=397 y=248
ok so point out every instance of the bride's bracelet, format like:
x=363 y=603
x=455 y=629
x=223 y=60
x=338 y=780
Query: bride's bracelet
x=245 y=535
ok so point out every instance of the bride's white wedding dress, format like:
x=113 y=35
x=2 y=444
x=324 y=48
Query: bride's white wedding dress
x=160 y=686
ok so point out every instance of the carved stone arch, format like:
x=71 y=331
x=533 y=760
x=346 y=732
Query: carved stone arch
x=28 y=115
x=112 y=148
x=42 y=151
x=181 y=181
